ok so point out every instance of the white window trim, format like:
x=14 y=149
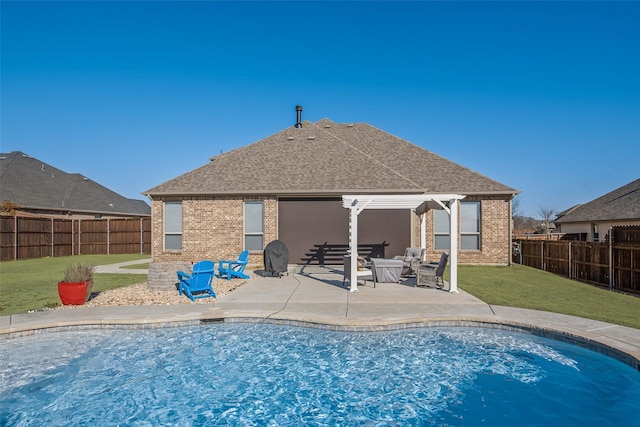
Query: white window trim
x=166 y=233
x=472 y=233
x=462 y=233
x=244 y=225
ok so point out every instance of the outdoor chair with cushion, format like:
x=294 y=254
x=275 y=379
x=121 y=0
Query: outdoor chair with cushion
x=198 y=283
x=362 y=267
x=431 y=273
x=234 y=268
x=411 y=260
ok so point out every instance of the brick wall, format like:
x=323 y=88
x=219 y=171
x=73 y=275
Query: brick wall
x=495 y=244
x=213 y=228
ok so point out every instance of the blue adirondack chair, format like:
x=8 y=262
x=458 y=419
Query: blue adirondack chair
x=198 y=283
x=235 y=268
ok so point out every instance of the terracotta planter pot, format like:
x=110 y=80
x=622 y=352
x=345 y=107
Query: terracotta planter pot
x=74 y=293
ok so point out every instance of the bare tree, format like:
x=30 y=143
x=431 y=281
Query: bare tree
x=547 y=215
x=515 y=207
x=521 y=222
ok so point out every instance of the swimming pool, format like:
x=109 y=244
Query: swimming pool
x=267 y=374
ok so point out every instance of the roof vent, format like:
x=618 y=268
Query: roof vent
x=290 y=138
x=298 y=116
x=311 y=138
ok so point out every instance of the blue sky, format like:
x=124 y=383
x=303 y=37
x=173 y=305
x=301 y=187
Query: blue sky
x=541 y=96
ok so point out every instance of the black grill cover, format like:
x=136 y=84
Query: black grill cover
x=276 y=258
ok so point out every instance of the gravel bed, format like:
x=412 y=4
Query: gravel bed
x=141 y=294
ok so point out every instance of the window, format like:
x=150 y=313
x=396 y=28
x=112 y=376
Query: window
x=253 y=226
x=469 y=227
x=441 y=228
x=173 y=226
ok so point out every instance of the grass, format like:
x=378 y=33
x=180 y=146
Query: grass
x=144 y=266
x=32 y=284
x=526 y=287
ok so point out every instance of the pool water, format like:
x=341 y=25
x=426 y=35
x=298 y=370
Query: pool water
x=273 y=375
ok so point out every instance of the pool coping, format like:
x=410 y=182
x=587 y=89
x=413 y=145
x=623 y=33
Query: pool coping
x=309 y=302
x=624 y=352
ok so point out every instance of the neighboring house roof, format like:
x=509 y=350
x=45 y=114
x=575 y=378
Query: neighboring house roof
x=327 y=158
x=33 y=184
x=620 y=204
x=566 y=211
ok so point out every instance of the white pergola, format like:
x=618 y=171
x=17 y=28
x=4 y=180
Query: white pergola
x=416 y=202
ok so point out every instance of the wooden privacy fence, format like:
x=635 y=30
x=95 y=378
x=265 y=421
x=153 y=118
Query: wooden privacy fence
x=25 y=237
x=613 y=264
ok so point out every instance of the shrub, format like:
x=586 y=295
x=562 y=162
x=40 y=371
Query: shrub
x=76 y=273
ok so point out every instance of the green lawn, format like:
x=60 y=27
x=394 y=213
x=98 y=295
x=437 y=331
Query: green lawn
x=526 y=287
x=137 y=266
x=33 y=283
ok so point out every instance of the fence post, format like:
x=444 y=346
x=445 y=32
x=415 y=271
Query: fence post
x=108 y=236
x=570 y=260
x=544 y=264
x=79 y=237
x=141 y=237
x=53 y=237
x=610 y=258
x=15 y=237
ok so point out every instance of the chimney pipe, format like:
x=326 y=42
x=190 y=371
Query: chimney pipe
x=299 y=116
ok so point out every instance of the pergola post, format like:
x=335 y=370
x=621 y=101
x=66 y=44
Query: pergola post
x=453 y=245
x=423 y=233
x=353 y=247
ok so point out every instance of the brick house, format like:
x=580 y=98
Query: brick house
x=289 y=186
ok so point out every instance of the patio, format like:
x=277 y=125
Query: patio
x=317 y=294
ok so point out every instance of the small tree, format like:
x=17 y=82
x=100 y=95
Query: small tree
x=547 y=215
x=521 y=222
x=515 y=207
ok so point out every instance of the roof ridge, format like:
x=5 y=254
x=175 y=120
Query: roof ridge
x=226 y=153
x=70 y=189
x=369 y=156
x=431 y=152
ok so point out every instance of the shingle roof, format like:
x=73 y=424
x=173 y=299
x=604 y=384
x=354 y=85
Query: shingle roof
x=620 y=204
x=33 y=184
x=327 y=158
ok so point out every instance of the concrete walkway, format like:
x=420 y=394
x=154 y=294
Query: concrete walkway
x=117 y=268
x=319 y=299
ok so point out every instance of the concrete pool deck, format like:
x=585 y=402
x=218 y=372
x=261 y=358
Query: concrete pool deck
x=317 y=298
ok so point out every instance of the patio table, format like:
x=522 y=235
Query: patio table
x=386 y=270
